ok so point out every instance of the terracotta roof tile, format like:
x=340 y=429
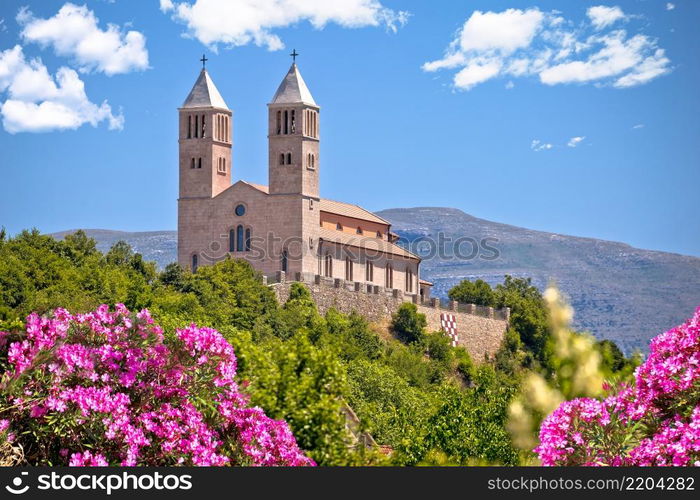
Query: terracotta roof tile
x=349 y=210
x=366 y=242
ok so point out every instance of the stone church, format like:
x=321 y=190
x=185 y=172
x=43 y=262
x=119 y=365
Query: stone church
x=286 y=226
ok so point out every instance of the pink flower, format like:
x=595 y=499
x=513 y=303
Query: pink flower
x=653 y=422
x=138 y=400
x=87 y=459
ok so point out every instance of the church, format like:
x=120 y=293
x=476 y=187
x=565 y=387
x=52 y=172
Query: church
x=285 y=228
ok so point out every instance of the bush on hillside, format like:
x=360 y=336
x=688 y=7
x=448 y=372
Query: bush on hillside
x=408 y=324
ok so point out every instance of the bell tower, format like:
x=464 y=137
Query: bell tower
x=205 y=133
x=293 y=138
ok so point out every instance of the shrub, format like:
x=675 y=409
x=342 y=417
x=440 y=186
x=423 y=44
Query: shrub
x=408 y=323
x=104 y=389
x=465 y=365
x=655 y=421
x=438 y=346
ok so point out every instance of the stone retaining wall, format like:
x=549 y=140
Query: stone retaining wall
x=480 y=330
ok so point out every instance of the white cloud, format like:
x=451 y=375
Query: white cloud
x=526 y=43
x=2 y=25
x=670 y=6
x=602 y=16
x=630 y=61
x=510 y=85
x=575 y=141
x=537 y=146
x=74 y=32
x=504 y=32
x=240 y=22
x=638 y=126
x=40 y=102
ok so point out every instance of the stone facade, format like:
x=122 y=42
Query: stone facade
x=480 y=329
x=285 y=226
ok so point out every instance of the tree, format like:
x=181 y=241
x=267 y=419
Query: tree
x=119 y=254
x=528 y=316
x=478 y=292
x=408 y=324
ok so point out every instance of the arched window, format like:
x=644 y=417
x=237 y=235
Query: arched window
x=313 y=161
x=389 y=277
x=193 y=165
x=348 y=269
x=199 y=163
x=281 y=158
x=204 y=126
x=195 y=263
x=308 y=160
x=339 y=226
x=328 y=268
x=286 y=122
x=289 y=158
x=189 y=126
x=369 y=272
x=217 y=132
x=284 y=260
x=409 y=281
x=196 y=126
x=227 y=137
x=231 y=241
x=247 y=240
x=294 y=123
x=279 y=123
x=224 y=164
x=379 y=234
x=358 y=230
x=239 y=239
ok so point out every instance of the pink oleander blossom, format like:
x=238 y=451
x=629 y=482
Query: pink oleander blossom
x=124 y=397
x=655 y=422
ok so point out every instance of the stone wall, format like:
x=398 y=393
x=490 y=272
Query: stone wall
x=480 y=330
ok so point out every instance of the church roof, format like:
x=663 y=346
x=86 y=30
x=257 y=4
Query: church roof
x=204 y=94
x=350 y=210
x=366 y=242
x=335 y=207
x=293 y=89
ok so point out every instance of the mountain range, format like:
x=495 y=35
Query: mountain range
x=618 y=292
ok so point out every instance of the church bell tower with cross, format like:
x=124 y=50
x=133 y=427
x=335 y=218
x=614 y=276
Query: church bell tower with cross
x=293 y=137
x=205 y=132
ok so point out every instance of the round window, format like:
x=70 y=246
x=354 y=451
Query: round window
x=240 y=210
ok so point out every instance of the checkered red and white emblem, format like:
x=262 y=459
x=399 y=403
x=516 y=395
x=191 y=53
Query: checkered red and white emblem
x=449 y=326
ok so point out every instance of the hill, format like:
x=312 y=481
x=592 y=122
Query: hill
x=619 y=292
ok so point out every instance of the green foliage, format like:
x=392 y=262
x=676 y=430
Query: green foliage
x=468 y=427
x=408 y=324
x=528 y=316
x=477 y=292
x=465 y=365
x=529 y=326
x=422 y=397
x=614 y=363
x=395 y=411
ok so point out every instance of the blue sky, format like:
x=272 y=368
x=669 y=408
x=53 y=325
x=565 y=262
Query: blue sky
x=542 y=114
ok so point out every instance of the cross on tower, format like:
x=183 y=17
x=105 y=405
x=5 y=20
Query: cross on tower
x=204 y=61
x=294 y=55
